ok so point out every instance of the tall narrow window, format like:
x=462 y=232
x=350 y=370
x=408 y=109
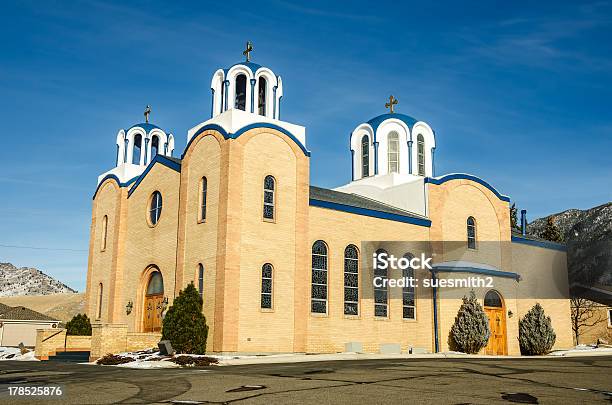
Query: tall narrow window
x=203 y=192
x=365 y=156
x=408 y=296
x=261 y=96
x=104 y=231
x=155 y=207
x=154 y=146
x=318 y=302
x=137 y=149
x=268 y=200
x=381 y=293
x=201 y=280
x=471 y=233
x=393 y=152
x=100 y=292
x=421 y=154
x=351 y=280
x=266 y=286
x=241 y=92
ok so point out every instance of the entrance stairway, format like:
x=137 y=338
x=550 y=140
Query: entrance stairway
x=71 y=357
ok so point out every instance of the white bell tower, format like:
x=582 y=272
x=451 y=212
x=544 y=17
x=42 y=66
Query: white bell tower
x=137 y=147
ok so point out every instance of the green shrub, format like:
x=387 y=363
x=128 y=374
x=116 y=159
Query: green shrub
x=184 y=324
x=470 y=332
x=79 y=325
x=536 y=334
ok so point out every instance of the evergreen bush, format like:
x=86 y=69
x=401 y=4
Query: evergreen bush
x=79 y=325
x=470 y=332
x=551 y=232
x=184 y=324
x=536 y=334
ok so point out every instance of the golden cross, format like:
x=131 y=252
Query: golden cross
x=392 y=102
x=147 y=112
x=248 y=50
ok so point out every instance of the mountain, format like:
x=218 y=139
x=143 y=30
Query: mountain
x=28 y=281
x=593 y=224
x=588 y=236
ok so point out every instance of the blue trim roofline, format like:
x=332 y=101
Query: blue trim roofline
x=370 y=213
x=146 y=126
x=376 y=121
x=157 y=159
x=540 y=243
x=476 y=270
x=464 y=176
x=242 y=130
x=113 y=177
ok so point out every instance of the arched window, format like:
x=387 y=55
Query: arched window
x=155 y=207
x=493 y=299
x=100 y=292
x=266 y=286
x=393 y=152
x=154 y=146
x=156 y=284
x=203 y=192
x=201 y=280
x=365 y=156
x=421 y=154
x=261 y=96
x=408 y=296
x=269 y=198
x=471 y=233
x=104 y=231
x=318 y=302
x=241 y=81
x=137 y=149
x=380 y=293
x=351 y=280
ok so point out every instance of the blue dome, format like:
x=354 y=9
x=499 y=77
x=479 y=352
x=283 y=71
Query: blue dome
x=252 y=66
x=146 y=126
x=376 y=121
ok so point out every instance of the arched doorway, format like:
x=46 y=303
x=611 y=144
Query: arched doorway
x=153 y=302
x=495 y=310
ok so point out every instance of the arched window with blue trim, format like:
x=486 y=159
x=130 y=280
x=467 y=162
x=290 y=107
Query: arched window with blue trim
x=261 y=96
x=365 y=156
x=381 y=294
x=318 y=301
x=137 y=149
x=408 y=292
x=241 y=82
x=471 y=233
x=154 y=146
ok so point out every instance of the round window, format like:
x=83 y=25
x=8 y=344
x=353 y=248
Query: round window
x=155 y=207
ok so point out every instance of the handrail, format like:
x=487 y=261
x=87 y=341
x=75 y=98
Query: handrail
x=50 y=336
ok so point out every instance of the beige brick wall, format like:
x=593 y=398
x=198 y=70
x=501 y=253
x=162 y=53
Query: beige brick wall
x=596 y=326
x=140 y=341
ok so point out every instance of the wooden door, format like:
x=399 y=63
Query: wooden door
x=497 y=324
x=152 y=315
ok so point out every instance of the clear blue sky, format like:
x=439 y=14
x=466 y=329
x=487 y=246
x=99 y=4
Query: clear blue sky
x=517 y=94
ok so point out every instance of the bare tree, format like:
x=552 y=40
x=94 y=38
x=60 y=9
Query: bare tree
x=584 y=314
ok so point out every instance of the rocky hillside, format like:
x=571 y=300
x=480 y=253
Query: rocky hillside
x=588 y=236
x=28 y=281
x=594 y=224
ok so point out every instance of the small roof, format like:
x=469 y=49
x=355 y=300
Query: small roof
x=252 y=66
x=20 y=313
x=4 y=308
x=376 y=121
x=148 y=127
x=358 y=201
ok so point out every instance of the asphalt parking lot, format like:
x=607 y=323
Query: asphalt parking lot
x=422 y=381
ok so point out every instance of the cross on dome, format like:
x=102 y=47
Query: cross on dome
x=147 y=112
x=248 y=50
x=392 y=102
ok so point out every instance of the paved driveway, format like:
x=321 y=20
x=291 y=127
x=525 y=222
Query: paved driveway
x=439 y=381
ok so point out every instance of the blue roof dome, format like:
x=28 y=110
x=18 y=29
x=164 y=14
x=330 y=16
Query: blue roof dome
x=146 y=126
x=252 y=66
x=376 y=121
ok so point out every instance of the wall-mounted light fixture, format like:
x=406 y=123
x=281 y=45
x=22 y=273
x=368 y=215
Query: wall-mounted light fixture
x=129 y=307
x=510 y=314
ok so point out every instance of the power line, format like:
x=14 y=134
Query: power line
x=42 y=248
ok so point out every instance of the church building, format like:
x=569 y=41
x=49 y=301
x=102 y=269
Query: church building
x=281 y=264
